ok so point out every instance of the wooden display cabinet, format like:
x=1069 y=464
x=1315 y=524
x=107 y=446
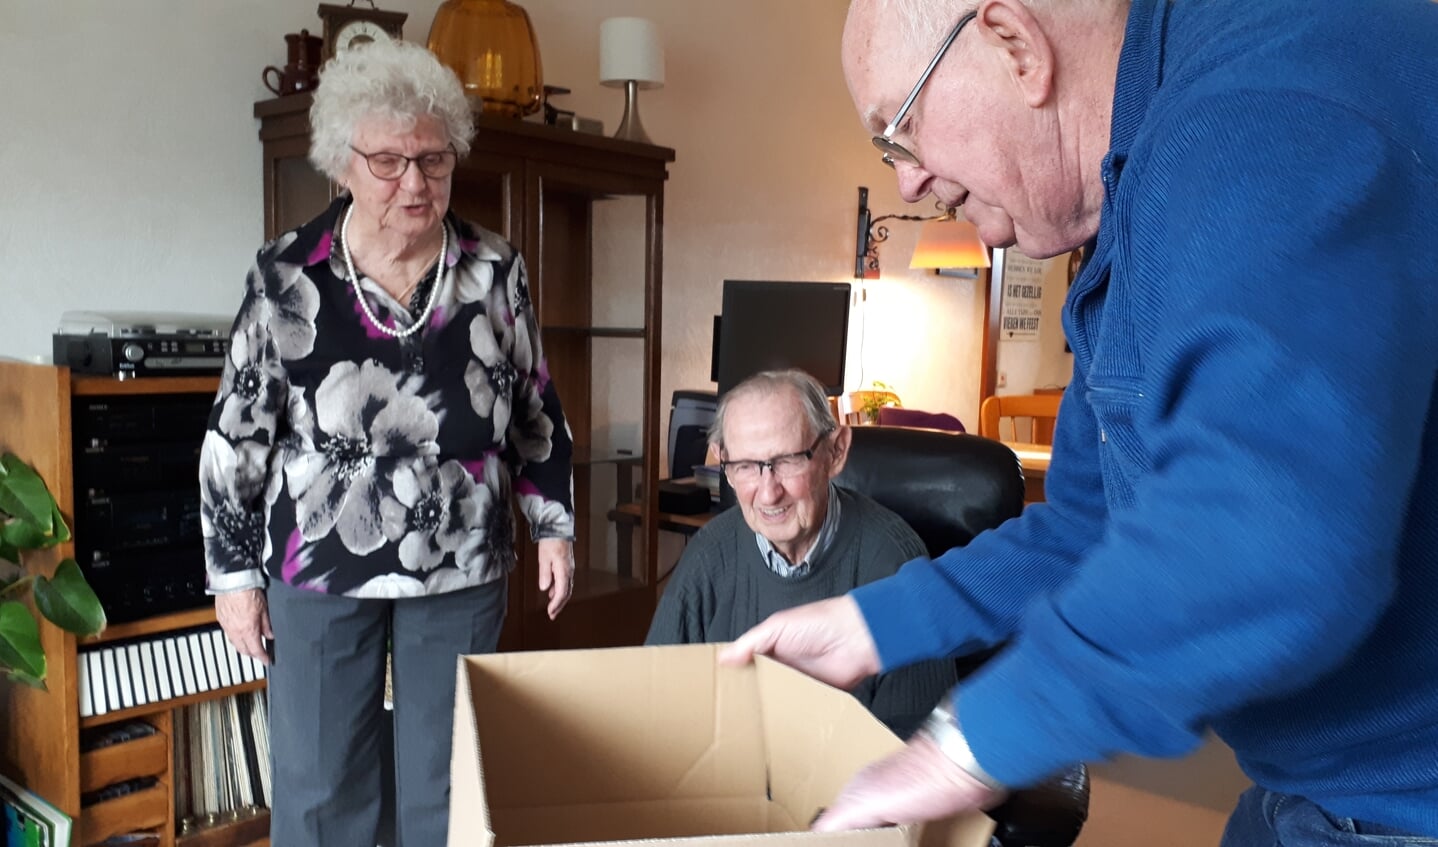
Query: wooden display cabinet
x=587 y=214
x=40 y=729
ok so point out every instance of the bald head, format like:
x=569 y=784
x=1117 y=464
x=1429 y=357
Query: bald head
x=918 y=24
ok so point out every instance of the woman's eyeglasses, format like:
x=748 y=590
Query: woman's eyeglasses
x=391 y=166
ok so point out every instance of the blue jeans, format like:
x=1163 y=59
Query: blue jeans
x=1266 y=819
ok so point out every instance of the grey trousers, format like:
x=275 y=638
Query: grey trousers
x=326 y=693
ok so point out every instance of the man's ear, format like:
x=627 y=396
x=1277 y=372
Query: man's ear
x=1024 y=46
x=843 y=437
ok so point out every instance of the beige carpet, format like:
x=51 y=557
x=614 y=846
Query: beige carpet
x=1120 y=816
x=1163 y=802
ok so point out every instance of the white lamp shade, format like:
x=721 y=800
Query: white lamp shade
x=949 y=244
x=629 y=48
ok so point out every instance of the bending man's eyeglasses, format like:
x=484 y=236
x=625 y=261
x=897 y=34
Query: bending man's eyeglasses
x=894 y=151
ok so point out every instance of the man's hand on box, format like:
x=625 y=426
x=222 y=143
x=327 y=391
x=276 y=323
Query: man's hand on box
x=917 y=784
x=827 y=640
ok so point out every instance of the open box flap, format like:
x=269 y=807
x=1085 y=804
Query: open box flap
x=658 y=723
x=468 y=810
x=887 y=837
x=817 y=738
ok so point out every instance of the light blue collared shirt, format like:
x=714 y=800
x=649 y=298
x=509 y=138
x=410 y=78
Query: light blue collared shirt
x=782 y=566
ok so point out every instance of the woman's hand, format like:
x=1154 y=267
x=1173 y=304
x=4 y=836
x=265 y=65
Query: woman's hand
x=245 y=618
x=556 y=572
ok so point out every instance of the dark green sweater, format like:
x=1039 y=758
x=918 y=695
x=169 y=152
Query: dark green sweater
x=721 y=587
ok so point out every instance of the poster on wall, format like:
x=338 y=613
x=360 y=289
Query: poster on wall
x=1023 y=282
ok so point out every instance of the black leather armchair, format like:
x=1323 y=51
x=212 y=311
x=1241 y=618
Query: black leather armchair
x=949 y=488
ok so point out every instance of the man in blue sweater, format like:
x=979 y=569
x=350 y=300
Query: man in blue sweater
x=1241 y=530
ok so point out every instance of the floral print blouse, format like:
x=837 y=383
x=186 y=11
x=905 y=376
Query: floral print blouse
x=346 y=461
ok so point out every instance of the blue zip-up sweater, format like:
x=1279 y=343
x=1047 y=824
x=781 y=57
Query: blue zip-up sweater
x=1242 y=521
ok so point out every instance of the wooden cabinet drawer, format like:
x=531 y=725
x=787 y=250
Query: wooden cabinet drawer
x=148 y=756
x=148 y=809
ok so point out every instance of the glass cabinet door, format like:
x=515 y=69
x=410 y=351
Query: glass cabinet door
x=589 y=242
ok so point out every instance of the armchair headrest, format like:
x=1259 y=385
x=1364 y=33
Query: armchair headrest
x=948 y=487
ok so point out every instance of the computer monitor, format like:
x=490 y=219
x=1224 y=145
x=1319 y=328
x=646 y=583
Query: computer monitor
x=774 y=325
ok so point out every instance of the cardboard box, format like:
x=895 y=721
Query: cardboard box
x=645 y=743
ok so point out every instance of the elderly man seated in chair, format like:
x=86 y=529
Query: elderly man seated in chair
x=795 y=538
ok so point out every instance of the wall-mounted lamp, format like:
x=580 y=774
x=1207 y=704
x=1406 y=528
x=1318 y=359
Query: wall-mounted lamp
x=944 y=241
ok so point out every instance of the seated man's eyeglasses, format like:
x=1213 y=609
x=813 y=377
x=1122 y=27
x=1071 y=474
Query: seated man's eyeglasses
x=893 y=150
x=391 y=166
x=787 y=466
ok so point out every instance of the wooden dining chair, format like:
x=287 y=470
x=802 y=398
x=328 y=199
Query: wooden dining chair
x=1041 y=411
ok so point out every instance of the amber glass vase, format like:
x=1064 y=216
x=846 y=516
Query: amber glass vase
x=490 y=45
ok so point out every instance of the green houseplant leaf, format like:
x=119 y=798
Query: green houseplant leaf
x=68 y=601
x=20 y=653
x=23 y=535
x=23 y=494
x=30 y=519
x=61 y=531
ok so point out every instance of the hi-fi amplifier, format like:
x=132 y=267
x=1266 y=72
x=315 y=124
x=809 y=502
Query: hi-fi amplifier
x=129 y=344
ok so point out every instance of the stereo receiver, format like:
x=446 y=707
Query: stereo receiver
x=128 y=344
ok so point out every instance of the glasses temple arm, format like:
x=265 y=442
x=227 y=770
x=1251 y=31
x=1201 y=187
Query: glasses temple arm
x=933 y=63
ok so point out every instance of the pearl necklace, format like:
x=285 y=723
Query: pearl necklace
x=364 y=303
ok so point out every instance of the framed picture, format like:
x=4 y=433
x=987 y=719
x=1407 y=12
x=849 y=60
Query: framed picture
x=1012 y=314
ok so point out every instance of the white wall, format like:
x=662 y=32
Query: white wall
x=131 y=168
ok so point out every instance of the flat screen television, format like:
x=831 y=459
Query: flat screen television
x=773 y=325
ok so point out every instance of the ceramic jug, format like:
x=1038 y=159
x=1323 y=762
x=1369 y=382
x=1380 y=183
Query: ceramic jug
x=302 y=70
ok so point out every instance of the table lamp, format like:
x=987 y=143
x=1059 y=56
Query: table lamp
x=630 y=57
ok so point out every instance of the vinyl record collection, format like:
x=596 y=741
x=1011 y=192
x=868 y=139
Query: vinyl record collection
x=222 y=760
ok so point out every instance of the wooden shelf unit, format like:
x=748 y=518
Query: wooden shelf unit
x=682 y=524
x=40 y=729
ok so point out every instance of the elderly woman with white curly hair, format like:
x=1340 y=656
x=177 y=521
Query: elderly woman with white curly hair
x=385 y=398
